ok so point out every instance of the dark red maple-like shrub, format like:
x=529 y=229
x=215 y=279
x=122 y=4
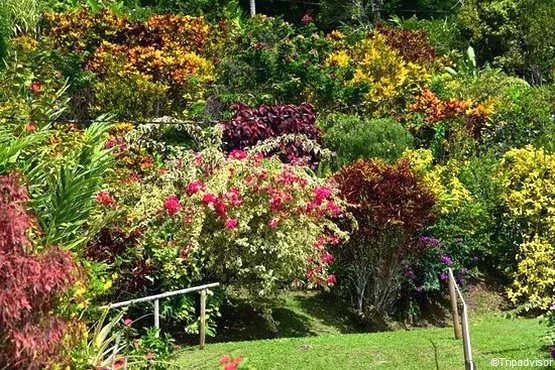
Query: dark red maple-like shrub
x=250 y=126
x=413 y=45
x=31 y=284
x=391 y=205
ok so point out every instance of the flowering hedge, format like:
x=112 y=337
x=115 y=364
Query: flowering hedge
x=244 y=220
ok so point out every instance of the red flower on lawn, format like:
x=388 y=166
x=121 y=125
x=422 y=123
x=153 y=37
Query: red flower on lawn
x=35 y=86
x=172 y=205
x=225 y=359
x=30 y=128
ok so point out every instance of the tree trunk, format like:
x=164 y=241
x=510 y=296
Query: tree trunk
x=253 y=7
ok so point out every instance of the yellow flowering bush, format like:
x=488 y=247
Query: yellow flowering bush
x=385 y=69
x=529 y=180
x=441 y=179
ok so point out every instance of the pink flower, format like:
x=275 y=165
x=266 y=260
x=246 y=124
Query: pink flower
x=238 y=360
x=198 y=159
x=238 y=154
x=209 y=198
x=127 y=322
x=150 y=356
x=195 y=187
x=231 y=366
x=321 y=193
x=333 y=208
x=35 y=86
x=306 y=19
x=30 y=128
x=273 y=222
x=327 y=258
x=231 y=223
x=233 y=196
x=104 y=198
x=225 y=359
x=220 y=208
x=331 y=279
x=172 y=205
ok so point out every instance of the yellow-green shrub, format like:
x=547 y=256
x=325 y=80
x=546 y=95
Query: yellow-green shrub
x=529 y=180
x=385 y=69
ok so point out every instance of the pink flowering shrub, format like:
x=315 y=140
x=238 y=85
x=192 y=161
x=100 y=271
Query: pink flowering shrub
x=240 y=219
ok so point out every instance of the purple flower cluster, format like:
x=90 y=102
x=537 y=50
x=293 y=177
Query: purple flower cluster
x=446 y=259
x=432 y=242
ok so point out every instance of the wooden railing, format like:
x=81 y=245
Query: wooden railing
x=157 y=297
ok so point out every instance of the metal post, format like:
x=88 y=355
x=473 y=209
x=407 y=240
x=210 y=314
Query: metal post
x=454 y=308
x=202 y=318
x=157 y=317
x=469 y=363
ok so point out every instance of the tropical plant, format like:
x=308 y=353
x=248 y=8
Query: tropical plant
x=392 y=205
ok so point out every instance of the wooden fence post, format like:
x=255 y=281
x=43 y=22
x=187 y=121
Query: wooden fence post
x=454 y=308
x=202 y=318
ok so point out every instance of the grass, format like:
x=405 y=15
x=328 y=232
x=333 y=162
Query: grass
x=492 y=337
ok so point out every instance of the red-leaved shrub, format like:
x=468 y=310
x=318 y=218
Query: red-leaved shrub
x=251 y=126
x=391 y=205
x=413 y=45
x=31 y=335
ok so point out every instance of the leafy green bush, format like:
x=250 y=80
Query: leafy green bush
x=353 y=137
x=515 y=34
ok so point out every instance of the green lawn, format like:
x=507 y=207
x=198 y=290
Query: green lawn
x=492 y=337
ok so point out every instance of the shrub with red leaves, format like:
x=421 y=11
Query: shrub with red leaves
x=250 y=126
x=391 y=205
x=32 y=337
x=413 y=45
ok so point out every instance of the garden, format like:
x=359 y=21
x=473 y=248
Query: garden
x=317 y=167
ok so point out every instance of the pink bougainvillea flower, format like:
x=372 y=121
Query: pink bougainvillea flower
x=172 y=205
x=231 y=366
x=231 y=223
x=30 y=128
x=209 y=198
x=127 y=322
x=150 y=356
x=233 y=197
x=321 y=193
x=331 y=279
x=225 y=359
x=327 y=258
x=333 y=208
x=195 y=187
x=273 y=222
x=238 y=154
x=220 y=208
x=103 y=197
x=198 y=159
x=238 y=360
